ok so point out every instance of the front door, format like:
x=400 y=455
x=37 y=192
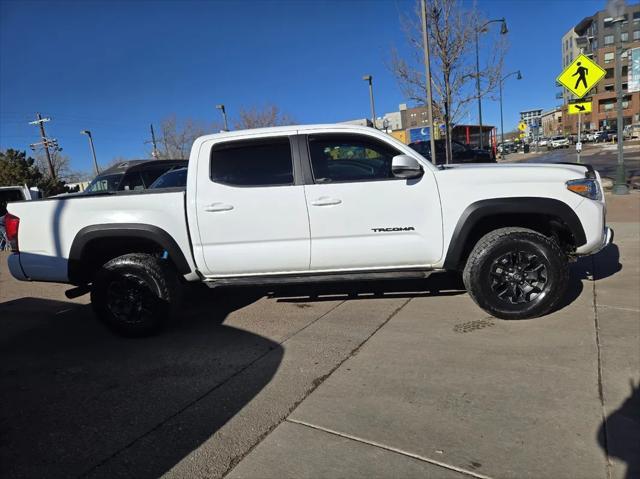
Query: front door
x=361 y=216
x=251 y=212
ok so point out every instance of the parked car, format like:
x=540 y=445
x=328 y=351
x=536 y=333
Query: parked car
x=9 y=194
x=461 y=153
x=632 y=131
x=301 y=204
x=558 y=142
x=176 y=178
x=132 y=175
x=543 y=141
x=603 y=136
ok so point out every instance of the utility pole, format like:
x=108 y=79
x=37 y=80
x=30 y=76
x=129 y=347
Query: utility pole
x=427 y=70
x=153 y=142
x=45 y=141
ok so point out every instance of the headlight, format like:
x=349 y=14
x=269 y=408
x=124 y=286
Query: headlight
x=589 y=188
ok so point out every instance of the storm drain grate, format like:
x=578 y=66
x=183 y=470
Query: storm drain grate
x=474 y=325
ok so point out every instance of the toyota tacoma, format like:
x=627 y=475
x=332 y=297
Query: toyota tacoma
x=304 y=204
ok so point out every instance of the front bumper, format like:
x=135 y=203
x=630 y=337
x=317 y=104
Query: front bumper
x=606 y=240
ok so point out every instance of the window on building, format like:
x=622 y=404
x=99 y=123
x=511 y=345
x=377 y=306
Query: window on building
x=608 y=22
x=609 y=88
x=337 y=158
x=608 y=58
x=636 y=17
x=608 y=39
x=636 y=34
x=624 y=36
x=254 y=163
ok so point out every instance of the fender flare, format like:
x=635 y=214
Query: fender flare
x=476 y=212
x=87 y=234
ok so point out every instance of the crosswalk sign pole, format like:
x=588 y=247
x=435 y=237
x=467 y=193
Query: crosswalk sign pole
x=579 y=143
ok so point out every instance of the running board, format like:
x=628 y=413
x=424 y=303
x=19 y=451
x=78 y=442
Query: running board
x=317 y=278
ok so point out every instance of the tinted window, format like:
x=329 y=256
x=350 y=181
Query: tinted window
x=132 y=181
x=104 y=183
x=149 y=175
x=349 y=158
x=255 y=163
x=171 y=179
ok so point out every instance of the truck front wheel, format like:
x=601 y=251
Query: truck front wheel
x=134 y=294
x=516 y=273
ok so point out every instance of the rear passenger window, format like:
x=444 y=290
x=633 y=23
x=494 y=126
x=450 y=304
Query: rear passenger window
x=253 y=163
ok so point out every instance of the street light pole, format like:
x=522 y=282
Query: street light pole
x=503 y=31
x=369 y=78
x=224 y=116
x=519 y=77
x=93 y=150
x=620 y=186
x=427 y=69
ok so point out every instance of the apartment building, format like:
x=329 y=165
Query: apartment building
x=595 y=37
x=533 y=120
x=552 y=122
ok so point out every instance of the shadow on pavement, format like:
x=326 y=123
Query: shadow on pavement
x=619 y=434
x=73 y=396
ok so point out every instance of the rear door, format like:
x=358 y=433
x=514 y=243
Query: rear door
x=361 y=216
x=250 y=208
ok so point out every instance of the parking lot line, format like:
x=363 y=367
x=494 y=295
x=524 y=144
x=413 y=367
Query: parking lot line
x=391 y=449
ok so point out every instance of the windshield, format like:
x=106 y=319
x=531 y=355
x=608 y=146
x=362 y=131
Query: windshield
x=104 y=183
x=171 y=179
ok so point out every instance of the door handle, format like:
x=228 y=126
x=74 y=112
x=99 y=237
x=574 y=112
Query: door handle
x=218 y=207
x=326 y=201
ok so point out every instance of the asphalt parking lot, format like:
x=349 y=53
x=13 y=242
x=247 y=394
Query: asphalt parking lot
x=398 y=379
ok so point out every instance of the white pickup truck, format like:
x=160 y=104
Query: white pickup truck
x=315 y=203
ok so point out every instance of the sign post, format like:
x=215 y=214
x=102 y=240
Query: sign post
x=578 y=108
x=580 y=77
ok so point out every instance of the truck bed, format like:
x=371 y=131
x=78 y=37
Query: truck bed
x=49 y=227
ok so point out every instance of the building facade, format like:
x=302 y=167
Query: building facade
x=552 y=122
x=533 y=120
x=596 y=38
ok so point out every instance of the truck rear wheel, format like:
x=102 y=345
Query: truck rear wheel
x=135 y=294
x=516 y=273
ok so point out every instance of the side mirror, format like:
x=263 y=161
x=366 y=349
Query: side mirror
x=405 y=166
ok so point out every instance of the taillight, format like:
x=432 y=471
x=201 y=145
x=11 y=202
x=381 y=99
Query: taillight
x=11 y=225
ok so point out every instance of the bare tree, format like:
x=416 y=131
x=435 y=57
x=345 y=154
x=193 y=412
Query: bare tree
x=61 y=163
x=452 y=42
x=177 y=137
x=260 y=118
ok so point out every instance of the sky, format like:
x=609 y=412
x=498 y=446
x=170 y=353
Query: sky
x=114 y=67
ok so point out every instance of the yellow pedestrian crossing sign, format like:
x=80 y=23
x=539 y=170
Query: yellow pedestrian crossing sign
x=580 y=107
x=522 y=126
x=581 y=76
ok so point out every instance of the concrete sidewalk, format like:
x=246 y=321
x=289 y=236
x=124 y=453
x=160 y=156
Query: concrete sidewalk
x=443 y=390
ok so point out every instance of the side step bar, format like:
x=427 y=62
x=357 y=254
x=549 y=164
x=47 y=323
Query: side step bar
x=317 y=278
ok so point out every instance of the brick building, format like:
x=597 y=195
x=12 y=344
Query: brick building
x=595 y=37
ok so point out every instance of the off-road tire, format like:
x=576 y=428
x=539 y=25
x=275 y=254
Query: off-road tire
x=486 y=259
x=135 y=294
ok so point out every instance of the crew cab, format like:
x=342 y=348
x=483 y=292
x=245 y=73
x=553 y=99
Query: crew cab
x=302 y=204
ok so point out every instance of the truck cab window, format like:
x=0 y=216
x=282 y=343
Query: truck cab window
x=253 y=163
x=336 y=158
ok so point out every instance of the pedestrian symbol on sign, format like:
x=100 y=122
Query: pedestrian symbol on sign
x=582 y=75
